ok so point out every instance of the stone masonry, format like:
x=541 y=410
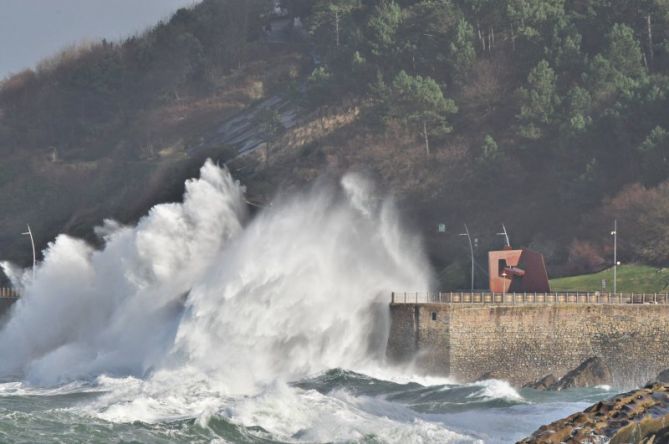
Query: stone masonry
x=522 y=343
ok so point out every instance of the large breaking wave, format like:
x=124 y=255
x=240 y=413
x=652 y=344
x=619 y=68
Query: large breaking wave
x=299 y=289
x=200 y=308
x=207 y=325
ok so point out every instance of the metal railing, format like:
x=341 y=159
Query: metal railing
x=9 y=293
x=556 y=297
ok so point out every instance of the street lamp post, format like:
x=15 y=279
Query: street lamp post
x=471 y=252
x=504 y=286
x=32 y=241
x=506 y=236
x=614 y=233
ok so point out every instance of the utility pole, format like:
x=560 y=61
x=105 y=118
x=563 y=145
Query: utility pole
x=614 y=233
x=471 y=252
x=650 y=43
x=32 y=241
x=337 y=25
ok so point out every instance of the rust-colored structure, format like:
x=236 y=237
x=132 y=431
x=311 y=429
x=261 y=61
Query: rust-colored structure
x=517 y=271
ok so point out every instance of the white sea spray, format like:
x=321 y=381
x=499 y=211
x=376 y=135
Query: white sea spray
x=201 y=311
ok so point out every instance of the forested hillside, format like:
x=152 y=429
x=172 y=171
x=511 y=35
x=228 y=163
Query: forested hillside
x=550 y=116
x=102 y=130
x=556 y=105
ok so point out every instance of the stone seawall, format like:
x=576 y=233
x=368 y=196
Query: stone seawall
x=5 y=304
x=522 y=343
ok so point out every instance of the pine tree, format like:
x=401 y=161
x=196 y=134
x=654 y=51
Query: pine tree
x=538 y=102
x=462 y=54
x=419 y=103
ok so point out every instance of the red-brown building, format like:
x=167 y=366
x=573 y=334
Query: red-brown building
x=517 y=271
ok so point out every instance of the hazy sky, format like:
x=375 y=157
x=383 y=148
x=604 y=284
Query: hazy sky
x=31 y=30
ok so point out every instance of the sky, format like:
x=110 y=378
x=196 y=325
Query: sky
x=31 y=30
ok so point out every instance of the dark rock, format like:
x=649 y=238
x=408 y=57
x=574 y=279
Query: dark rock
x=488 y=375
x=544 y=383
x=663 y=376
x=590 y=373
x=638 y=416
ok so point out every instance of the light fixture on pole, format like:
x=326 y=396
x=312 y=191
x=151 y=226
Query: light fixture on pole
x=32 y=241
x=614 y=233
x=471 y=252
x=506 y=236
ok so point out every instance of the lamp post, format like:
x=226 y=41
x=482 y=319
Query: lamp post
x=471 y=252
x=504 y=286
x=614 y=233
x=32 y=241
x=506 y=236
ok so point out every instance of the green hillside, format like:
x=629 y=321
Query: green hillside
x=549 y=116
x=631 y=278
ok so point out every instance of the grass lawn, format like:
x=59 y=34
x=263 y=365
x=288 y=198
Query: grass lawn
x=631 y=279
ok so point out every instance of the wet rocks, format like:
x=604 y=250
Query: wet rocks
x=590 y=373
x=544 y=383
x=663 y=376
x=640 y=416
x=489 y=375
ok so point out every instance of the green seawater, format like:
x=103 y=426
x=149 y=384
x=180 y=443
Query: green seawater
x=490 y=411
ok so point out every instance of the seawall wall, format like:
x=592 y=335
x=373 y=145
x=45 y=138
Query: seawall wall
x=523 y=343
x=5 y=304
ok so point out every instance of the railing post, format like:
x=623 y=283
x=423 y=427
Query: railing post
x=392 y=297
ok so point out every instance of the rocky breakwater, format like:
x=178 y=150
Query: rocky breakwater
x=639 y=416
x=592 y=372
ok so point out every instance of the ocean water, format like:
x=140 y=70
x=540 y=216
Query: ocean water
x=336 y=406
x=203 y=324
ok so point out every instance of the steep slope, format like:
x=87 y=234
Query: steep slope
x=108 y=130
x=541 y=115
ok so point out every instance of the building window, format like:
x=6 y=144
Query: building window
x=434 y=315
